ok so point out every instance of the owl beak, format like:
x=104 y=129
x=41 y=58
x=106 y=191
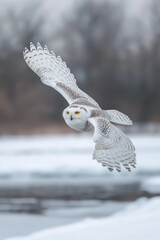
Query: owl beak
x=71 y=118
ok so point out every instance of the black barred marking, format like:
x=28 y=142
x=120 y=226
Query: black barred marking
x=129 y=170
x=133 y=166
x=110 y=169
x=125 y=165
x=83 y=109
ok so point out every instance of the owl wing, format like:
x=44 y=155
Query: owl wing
x=113 y=147
x=54 y=72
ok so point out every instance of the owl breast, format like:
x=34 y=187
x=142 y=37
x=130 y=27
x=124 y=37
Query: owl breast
x=76 y=124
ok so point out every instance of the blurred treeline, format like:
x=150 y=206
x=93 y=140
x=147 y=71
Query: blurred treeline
x=115 y=61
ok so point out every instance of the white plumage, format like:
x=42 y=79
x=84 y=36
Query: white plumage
x=113 y=148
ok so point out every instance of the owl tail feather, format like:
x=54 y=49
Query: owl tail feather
x=115 y=116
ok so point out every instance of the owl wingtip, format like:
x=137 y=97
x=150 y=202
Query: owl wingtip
x=25 y=51
x=39 y=47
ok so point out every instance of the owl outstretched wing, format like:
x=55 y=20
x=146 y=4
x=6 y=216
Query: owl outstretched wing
x=54 y=72
x=113 y=148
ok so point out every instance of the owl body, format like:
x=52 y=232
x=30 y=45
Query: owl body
x=112 y=147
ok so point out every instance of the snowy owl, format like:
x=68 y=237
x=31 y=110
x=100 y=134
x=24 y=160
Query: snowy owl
x=112 y=147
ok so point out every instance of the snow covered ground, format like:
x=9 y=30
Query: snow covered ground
x=37 y=170
x=139 y=221
x=61 y=213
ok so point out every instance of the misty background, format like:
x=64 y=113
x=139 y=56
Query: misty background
x=112 y=47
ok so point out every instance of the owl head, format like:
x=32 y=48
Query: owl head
x=75 y=117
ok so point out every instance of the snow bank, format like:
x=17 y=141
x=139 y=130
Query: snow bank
x=139 y=221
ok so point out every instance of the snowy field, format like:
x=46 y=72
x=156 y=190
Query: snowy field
x=139 y=221
x=52 y=182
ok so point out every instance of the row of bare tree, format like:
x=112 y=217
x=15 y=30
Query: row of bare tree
x=119 y=71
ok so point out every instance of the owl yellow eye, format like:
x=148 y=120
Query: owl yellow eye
x=67 y=113
x=76 y=113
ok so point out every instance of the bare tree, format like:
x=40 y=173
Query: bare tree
x=92 y=39
x=14 y=77
x=150 y=68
